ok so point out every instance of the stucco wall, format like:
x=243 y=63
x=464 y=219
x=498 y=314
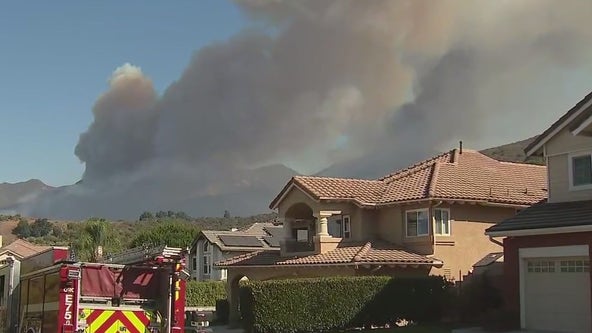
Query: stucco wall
x=511 y=259
x=559 y=181
x=359 y=218
x=565 y=142
x=467 y=242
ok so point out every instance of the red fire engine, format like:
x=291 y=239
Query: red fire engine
x=141 y=290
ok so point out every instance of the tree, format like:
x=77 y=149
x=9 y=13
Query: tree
x=40 y=228
x=146 y=216
x=97 y=236
x=226 y=214
x=161 y=214
x=57 y=231
x=22 y=229
x=174 y=234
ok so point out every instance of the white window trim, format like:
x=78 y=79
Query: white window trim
x=415 y=211
x=542 y=252
x=449 y=222
x=343 y=224
x=570 y=158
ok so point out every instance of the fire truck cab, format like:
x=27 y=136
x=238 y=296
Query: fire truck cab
x=141 y=290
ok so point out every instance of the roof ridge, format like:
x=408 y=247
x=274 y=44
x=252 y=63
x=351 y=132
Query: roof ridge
x=433 y=179
x=337 y=178
x=523 y=164
x=417 y=166
x=362 y=252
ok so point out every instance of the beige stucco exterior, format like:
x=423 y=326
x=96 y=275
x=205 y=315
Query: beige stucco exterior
x=465 y=245
x=559 y=150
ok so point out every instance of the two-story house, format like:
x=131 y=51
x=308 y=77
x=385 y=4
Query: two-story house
x=547 y=246
x=211 y=246
x=429 y=218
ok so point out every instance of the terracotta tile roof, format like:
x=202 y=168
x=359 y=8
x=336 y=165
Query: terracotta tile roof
x=548 y=215
x=361 y=190
x=346 y=254
x=469 y=176
x=22 y=249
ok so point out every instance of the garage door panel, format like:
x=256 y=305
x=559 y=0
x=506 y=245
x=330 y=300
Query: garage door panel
x=557 y=294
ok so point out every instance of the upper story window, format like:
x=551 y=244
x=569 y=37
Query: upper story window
x=206 y=246
x=580 y=169
x=442 y=221
x=417 y=222
x=346 y=227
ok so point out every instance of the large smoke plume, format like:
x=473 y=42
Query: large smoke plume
x=321 y=82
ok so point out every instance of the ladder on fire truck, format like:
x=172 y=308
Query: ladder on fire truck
x=143 y=254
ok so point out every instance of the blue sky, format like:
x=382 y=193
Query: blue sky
x=56 y=57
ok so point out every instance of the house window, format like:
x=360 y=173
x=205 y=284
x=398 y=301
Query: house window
x=417 y=222
x=207 y=259
x=581 y=170
x=223 y=274
x=194 y=263
x=346 y=227
x=541 y=266
x=442 y=218
x=207 y=265
x=574 y=266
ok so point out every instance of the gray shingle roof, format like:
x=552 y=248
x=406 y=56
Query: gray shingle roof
x=548 y=215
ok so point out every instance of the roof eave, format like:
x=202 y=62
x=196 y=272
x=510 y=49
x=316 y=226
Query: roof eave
x=539 y=231
x=284 y=192
x=558 y=126
x=435 y=263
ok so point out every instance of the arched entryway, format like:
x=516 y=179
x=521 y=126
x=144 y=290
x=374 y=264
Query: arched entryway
x=233 y=284
x=301 y=227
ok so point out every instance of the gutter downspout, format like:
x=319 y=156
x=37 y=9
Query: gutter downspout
x=496 y=241
x=433 y=221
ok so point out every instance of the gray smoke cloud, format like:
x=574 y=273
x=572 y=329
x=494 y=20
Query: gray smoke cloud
x=365 y=86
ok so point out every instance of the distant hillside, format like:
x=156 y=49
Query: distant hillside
x=12 y=194
x=126 y=230
x=513 y=152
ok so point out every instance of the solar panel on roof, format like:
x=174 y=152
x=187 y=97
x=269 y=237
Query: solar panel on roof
x=277 y=232
x=272 y=241
x=246 y=241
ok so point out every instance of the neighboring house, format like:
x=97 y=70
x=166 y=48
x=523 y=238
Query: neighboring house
x=211 y=246
x=547 y=246
x=19 y=249
x=429 y=218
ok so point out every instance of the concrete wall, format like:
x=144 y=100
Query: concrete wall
x=558 y=150
x=511 y=259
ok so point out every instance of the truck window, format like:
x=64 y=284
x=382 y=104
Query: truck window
x=52 y=287
x=36 y=291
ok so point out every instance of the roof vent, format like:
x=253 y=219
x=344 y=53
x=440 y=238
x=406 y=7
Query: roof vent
x=460 y=147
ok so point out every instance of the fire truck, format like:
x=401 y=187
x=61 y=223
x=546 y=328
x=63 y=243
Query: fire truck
x=141 y=290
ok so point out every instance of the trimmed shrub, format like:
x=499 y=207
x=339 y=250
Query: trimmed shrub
x=321 y=304
x=205 y=293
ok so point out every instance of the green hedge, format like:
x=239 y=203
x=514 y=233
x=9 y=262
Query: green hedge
x=205 y=293
x=321 y=304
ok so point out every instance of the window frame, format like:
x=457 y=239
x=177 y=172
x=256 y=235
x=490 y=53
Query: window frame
x=206 y=246
x=417 y=211
x=206 y=267
x=346 y=227
x=436 y=222
x=570 y=166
